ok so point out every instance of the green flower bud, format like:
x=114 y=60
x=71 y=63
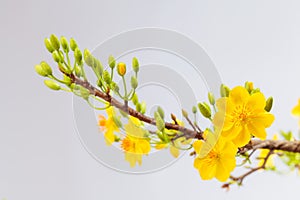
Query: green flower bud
x=134 y=82
x=63 y=69
x=111 y=62
x=99 y=83
x=269 y=104
x=67 y=80
x=184 y=113
x=54 y=42
x=64 y=44
x=138 y=107
x=56 y=56
x=135 y=65
x=78 y=55
x=84 y=93
x=194 y=109
x=52 y=84
x=135 y=99
x=117 y=121
x=106 y=77
x=98 y=67
x=39 y=69
x=115 y=87
x=61 y=54
x=88 y=58
x=143 y=107
x=211 y=98
x=46 y=68
x=255 y=91
x=48 y=45
x=205 y=110
x=73 y=44
x=78 y=71
x=249 y=86
x=160 y=124
x=224 y=90
x=161 y=112
x=121 y=68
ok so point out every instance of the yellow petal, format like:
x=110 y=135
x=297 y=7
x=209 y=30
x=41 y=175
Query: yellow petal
x=258 y=130
x=109 y=137
x=174 y=151
x=256 y=101
x=242 y=138
x=197 y=146
x=238 y=95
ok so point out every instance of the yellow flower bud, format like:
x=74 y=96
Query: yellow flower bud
x=78 y=71
x=73 y=44
x=224 y=90
x=54 y=42
x=184 y=113
x=63 y=69
x=64 y=44
x=56 y=56
x=67 y=80
x=121 y=68
x=249 y=86
x=111 y=61
x=205 y=110
x=135 y=65
x=48 y=45
x=269 y=104
x=39 y=69
x=46 y=68
x=52 y=84
x=88 y=58
x=134 y=82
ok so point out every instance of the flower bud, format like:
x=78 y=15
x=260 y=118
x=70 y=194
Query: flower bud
x=63 y=69
x=78 y=56
x=73 y=44
x=194 y=109
x=64 y=44
x=211 y=98
x=135 y=99
x=54 y=42
x=135 y=65
x=39 y=69
x=67 y=80
x=143 y=107
x=46 y=68
x=48 y=45
x=134 y=82
x=99 y=83
x=249 y=86
x=78 y=71
x=269 y=104
x=161 y=112
x=52 y=84
x=205 y=110
x=115 y=87
x=106 y=77
x=98 y=67
x=224 y=90
x=184 y=113
x=121 y=68
x=138 y=107
x=56 y=57
x=88 y=58
x=160 y=124
x=111 y=62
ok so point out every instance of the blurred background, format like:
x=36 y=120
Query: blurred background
x=41 y=156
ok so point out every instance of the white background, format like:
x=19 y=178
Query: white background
x=40 y=154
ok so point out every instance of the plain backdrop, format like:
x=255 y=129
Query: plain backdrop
x=41 y=156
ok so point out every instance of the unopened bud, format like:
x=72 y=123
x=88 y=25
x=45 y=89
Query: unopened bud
x=115 y=87
x=111 y=62
x=56 y=56
x=143 y=107
x=160 y=124
x=67 y=80
x=73 y=44
x=40 y=70
x=135 y=99
x=205 y=110
x=269 y=104
x=48 y=45
x=88 y=58
x=121 y=68
x=161 y=112
x=134 y=82
x=46 y=68
x=249 y=86
x=52 y=84
x=194 y=109
x=211 y=98
x=224 y=90
x=64 y=44
x=184 y=113
x=106 y=77
x=78 y=71
x=138 y=107
x=135 y=65
x=54 y=42
x=78 y=56
x=98 y=66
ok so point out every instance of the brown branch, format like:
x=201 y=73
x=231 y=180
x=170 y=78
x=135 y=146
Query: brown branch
x=283 y=145
x=188 y=133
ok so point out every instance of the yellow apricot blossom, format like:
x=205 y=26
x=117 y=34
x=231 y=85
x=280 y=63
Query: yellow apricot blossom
x=108 y=125
x=296 y=110
x=242 y=115
x=215 y=157
x=135 y=144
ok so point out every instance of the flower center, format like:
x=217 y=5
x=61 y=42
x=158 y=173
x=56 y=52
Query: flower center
x=240 y=115
x=128 y=145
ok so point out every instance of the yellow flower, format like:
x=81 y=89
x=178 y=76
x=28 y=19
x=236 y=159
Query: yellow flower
x=135 y=144
x=108 y=125
x=215 y=157
x=296 y=109
x=241 y=115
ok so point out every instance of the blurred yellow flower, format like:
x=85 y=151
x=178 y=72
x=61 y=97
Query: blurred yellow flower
x=135 y=144
x=241 y=115
x=264 y=153
x=296 y=109
x=108 y=125
x=215 y=157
